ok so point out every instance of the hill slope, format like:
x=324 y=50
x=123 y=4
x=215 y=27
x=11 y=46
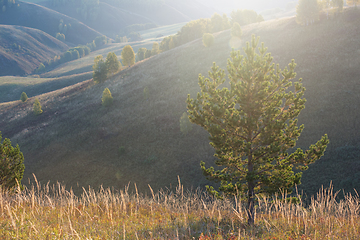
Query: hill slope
x=76 y=140
x=47 y=20
x=23 y=49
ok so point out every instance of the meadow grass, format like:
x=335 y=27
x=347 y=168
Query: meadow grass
x=52 y=212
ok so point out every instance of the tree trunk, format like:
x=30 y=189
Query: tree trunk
x=251 y=213
x=251 y=185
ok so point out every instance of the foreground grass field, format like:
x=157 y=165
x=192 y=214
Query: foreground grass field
x=51 y=212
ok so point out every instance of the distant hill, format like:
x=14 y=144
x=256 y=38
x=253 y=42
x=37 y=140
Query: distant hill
x=22 y=49
x=78 y=142
x=110 y=21
x=113 y=16
x=47 y=20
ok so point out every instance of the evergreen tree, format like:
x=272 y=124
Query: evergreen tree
x=307 y=12
x=37 y=107
x=128 y=56
x=148 y=53
x=60 y=37
x=11 y=165
x=253 y=126
x=141 y=54
x=155 y=49
x=244 y=17
x=100 y=69
x=216 y=23
x=236 y=30
x=106 y=99
x=23 y=97
x=208 y=39
x=41 y=68
x=112 y=63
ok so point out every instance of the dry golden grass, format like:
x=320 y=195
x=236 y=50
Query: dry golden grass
x=52 y=212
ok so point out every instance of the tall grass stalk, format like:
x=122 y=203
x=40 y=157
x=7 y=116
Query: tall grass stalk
x=52 y=212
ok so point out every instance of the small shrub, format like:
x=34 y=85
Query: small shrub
x=37 y=107
x=23 y=97
x=60 y=37
x=107 y=99
x=121 y=150
x=41 y=68
x=208 y=39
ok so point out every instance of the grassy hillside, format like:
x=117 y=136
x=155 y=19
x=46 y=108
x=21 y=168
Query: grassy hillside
x=110 y=20
x=12 y=87
x=23 y=49
x=47 y=20
x=162 y=31
x=65 y=74
x=77 y=141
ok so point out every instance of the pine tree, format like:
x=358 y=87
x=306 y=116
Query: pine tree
x=236 y=30
x=208 y=39
x=307 y=12
x=23 y=97
x=128 y=56
x=216 y=23
x=37 y=107
x=253 y=126
x=11 y=164
x=147 y=53
x=155 y=49
x=100 y=69
x=112 y=63
x=106 y=99
x=141 y=54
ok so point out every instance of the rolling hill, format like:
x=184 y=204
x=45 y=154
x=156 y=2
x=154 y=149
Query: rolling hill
x=23 y=49
x=78 y=142
x=68 y=73
x=47 y=20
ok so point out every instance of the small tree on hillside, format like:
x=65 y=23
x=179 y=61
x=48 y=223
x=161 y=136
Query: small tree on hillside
x=128 y=56
x=112 y=63
x=23 y=97
x=141 y=54
x=41 y=68
x=253 y=126
x=106 y=99
x=307 y=12
x=236 y=30
x=37 y=107
x=217 y=23
x=155 y=49
x=60 y=37
x=208 y=39
x=147 y=53
x=100 y=69
x=11 y=165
